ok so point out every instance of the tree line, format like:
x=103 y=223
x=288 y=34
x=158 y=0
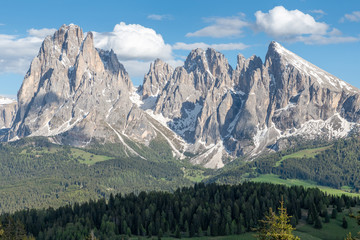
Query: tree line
x=201 y=210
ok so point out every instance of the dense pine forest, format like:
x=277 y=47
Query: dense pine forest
x=201 y=210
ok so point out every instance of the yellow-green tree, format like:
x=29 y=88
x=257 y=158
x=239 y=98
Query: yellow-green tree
x=1 y=230
x=349 y=236
x=277 y=227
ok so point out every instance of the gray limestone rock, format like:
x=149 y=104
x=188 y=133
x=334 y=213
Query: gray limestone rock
x=8 y=108
x=75 y=93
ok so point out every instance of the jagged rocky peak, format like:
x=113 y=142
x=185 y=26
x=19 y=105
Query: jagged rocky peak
x=155 y=80
x=208 y=60
x=281 y=59
x=75 y=93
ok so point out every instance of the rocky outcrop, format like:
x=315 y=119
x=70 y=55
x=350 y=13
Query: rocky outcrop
x=156 y=79
x=8 y=108
x=75 y=94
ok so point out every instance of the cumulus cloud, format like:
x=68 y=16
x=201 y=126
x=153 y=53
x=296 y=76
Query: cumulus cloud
x=352 y=17
x=219 y=47
x=295 y=26
x=159 y=17
x=41 y=33
x=221 y=27
x=17 y=52
x=280 y=22
x=133 y=41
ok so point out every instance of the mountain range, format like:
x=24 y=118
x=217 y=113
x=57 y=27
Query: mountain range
x=78 y=95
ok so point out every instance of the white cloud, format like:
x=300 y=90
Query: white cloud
x=2 y=24
x=132 y=42
x=279 y=22
x=352 y=17
x=159 y=17
x=330 y=39
x=17 y=52
x=221 y=27
x=136 y=68
x=319 y=13
x=219 y=47
x=41 y=33
x=296 y=26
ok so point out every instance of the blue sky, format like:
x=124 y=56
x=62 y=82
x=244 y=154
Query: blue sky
x=324 y=32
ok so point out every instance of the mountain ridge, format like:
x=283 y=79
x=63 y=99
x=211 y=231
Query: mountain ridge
x=76 y=94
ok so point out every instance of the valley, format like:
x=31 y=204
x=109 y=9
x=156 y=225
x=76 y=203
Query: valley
x=203 y=150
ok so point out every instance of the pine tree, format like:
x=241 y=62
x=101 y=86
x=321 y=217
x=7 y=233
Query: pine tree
x=177 y=232
x=1 y=230
x=344 y=223
x=334 y=213
x=91 y=236
x=160 y=234
x=318 y=223
x=277 y=227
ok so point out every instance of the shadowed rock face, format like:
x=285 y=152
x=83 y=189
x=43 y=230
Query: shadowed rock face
x=77 y=94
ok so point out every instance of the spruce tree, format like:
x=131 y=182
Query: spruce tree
x=344 y=223
x=334 y=213
x=277 y=227
x=318 y=223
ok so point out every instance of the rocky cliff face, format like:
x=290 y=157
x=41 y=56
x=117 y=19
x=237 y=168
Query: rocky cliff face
x=8 y=108
x=223 y=112
x=76 y=94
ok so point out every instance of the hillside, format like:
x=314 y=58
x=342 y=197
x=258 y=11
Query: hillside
x=35 y=173
x=331 y=164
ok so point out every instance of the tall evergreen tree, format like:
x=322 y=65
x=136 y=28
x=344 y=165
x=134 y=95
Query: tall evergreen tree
x=277 y=227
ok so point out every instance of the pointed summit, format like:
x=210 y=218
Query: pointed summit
x=156 y=79
x=284 y=59
x=74 y=92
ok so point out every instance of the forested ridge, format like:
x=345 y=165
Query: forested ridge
x=201 y=210
x=336 y=165
x=36 y=174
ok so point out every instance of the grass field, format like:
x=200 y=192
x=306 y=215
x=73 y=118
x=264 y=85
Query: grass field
x=86 y=157
x=309 y=153
x=193 y=174
x=332 y=230
x=275 y=179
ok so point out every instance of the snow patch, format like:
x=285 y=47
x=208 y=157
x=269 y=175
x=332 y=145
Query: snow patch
x=335 y=127
x=125 y=144
x=321 y=76
x=5 y=101
x=188 y=123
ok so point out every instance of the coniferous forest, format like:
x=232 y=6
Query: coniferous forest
x=201 y=210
